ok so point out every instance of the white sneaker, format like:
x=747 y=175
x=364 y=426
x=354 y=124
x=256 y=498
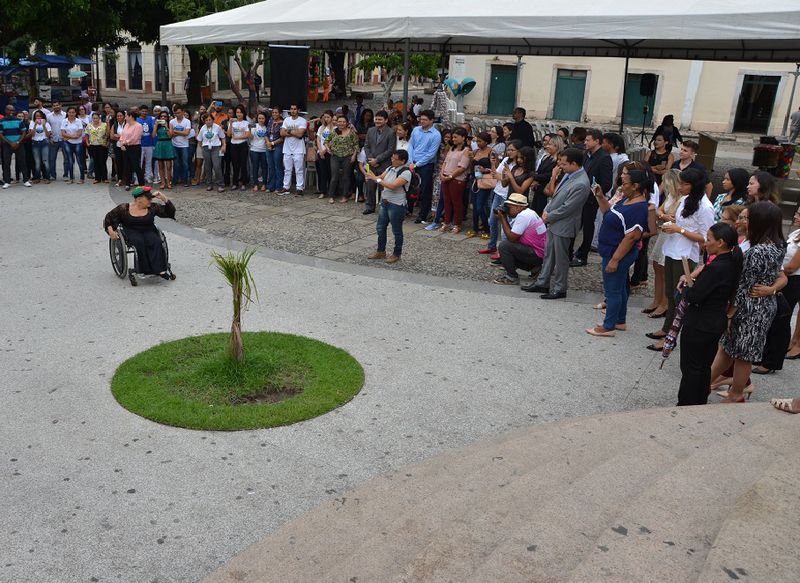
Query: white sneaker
x=28 y=183
x=6 y=185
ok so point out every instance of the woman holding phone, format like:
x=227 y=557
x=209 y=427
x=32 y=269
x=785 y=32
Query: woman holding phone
x=164 y=152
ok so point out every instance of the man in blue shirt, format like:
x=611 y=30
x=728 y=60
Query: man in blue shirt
x=148 y=142
x=13 y=134
x=423 y=149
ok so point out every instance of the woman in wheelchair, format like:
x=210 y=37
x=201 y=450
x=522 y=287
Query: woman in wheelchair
x=138 y=220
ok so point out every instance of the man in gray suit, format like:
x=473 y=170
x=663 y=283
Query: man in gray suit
x=379 y=145
x=563 y=218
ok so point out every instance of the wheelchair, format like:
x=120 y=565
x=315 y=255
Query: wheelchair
x=125 y=260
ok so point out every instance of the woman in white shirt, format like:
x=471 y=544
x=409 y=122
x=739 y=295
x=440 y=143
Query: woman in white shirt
x=41 y=131
x=686 y=238
x=402 y=132
x=212 y=138
x=258 y=151
x=239 y=133
x=72 y=131
x=325 y=129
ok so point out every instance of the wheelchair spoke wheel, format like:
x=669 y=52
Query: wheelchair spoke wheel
x=119 y=257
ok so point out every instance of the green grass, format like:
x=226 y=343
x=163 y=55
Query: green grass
x=193 y=383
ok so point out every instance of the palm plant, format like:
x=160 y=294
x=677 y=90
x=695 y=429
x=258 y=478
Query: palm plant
x=235 y=270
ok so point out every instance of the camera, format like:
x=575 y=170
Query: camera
x=503 y=208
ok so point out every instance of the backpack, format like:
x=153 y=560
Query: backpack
x=411 y=188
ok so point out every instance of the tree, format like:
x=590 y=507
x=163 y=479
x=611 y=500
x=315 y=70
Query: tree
x=235 y=270
x=420 y=65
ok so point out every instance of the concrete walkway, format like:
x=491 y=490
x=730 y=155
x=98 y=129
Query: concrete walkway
x=91 y=492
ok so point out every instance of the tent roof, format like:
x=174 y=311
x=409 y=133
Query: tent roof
x=740 y=30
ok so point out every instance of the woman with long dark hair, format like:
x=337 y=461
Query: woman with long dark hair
x=130 y=142
x=239 y=133
x=483 y=186
x=544 y=172
x=750 y=317
x=705 y=320
x=343 y=146
x=762 y=187
x=116 y=127
x=453 y=178
x=735 y=185
x=667 y=129
x=686 y=237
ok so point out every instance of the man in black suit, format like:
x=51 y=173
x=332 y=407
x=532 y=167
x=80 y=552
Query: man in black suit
x=378 y=147
x=599 y=169
x=522 y=130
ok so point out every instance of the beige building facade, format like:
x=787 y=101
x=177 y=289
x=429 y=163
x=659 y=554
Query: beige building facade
x=723 y=97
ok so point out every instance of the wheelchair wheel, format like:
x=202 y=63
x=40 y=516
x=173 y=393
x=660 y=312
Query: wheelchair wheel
x=118 y=250
x=166 y=254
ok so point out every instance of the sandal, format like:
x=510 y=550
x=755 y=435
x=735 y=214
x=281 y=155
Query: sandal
x=332 y=201
x=444 y=228
x=343 y=199
x=746 y=394
x=600 y=306
x=321 y=196
x=656 y=315
x=762 y=370
x=597 y=332
x=456 y=230
x=469 y=234
x=788 y=405
x=649 y=310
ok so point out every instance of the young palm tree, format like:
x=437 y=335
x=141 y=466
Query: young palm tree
x=234 y=269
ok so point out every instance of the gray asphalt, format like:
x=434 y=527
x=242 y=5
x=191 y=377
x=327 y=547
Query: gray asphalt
x=91 y=492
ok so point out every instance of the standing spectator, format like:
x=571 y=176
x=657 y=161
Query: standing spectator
x=26 y=145
x=623 y=226
x=130 y=141
x=795 y=126
x=115 y=131
x=686 y=160
x=453 y=177
x=498 y=142
x=41 y=132
x=366 y=121
x=72 y=130
x=274 y=151
x=57 y=143
x=164 y=152
x=293 y=132
x=258 y=152
x=563 y=217
x=13 y=135
x=98 y=147
x=522 y=130
x=668 y=130
x=500 y=194
x=148 y=141
x=544 y=172
x=735 y=185
x=212 y=139
x=686 y=235
x=750 y=317
x=660 y=157
x=378 y=147
x=578 y=138
x=762 y=187
x=393 y=180
x=402 y=132
x=38 y=105
x=791 y=268
x=525 y=238
x=483 y=186
x=343 y=146
x=599 y=170
x=324 y=131
x=179 y=129
x=239 y=133
x=704 y=320
x=423 y=147
x=356 y=113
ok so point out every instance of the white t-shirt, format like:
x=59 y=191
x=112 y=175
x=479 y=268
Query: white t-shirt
x=55 y=120
x=238 y=129
x=792 y=248
x=655 y=196
x=499 y=189
x=293 y=145
x=522 y=221
x=417 y=109
x=39 y=131
x=676 y=245
x=181 y=126
x=75 y=127
x=258 y=138
x=209 y=138
x=44 y=110
x=85 y=120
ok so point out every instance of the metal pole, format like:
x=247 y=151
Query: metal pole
x=624 y=90
x=163 y=57
x=406 y=66
x=791 y=102
x=98 y=97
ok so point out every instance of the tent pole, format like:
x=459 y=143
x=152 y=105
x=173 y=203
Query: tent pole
x=406 y=66
x=163 y=57
x=785 y=131
x=624 y=90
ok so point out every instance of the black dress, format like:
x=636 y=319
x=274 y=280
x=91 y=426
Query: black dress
x=704 y=322
x=542 y=177
x=141 y=233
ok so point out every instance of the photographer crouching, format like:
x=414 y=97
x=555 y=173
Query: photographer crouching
x=525 y=237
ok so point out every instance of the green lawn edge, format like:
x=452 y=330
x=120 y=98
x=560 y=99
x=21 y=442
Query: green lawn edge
x=331 y=378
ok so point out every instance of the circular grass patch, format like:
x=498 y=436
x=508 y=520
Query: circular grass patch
x=193 y=383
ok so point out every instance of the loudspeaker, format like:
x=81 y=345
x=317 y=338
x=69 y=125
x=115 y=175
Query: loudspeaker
x=289 y=73
x=647 y=87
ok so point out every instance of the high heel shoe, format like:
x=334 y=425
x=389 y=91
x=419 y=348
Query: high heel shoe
x=746 y=394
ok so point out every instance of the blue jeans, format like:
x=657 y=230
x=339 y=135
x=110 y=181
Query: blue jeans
x=615 y=286
x=437 y=218
x=480 y=205
x=180 y=168
x=41 y=155
x=55 y=148
x=258 y=161
x=394 y=214
x=75 y=154
x=275 y=168
x=494 y=227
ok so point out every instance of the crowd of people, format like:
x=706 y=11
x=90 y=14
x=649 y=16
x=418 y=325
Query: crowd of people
x=529 y=201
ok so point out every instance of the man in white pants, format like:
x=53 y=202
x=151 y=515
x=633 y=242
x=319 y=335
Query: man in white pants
x=293 y=131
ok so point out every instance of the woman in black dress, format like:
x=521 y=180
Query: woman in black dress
x=138 y=219
x=706 y=306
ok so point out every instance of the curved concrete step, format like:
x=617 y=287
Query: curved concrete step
x=655 y=495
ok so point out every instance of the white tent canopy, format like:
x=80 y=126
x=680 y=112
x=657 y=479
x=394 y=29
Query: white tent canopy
x=740 y=30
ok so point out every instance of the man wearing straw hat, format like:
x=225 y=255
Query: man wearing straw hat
x=525 y=237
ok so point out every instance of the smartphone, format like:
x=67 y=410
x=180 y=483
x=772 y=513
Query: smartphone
x=366 y=167
x=594 y=182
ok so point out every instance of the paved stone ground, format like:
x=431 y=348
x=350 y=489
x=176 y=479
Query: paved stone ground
x=94 y=493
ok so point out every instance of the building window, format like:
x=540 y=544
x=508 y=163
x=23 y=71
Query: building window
x=134 y=66
x=110 y=66
x=158 y=66
x=222 y=78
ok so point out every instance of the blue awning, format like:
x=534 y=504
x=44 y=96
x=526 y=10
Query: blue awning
x=54 y=60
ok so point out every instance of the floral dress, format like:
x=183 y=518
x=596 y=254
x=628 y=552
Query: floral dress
x=748 y=333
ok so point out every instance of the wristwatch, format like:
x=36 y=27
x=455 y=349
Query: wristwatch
x=379 y=180
x=683 y=231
